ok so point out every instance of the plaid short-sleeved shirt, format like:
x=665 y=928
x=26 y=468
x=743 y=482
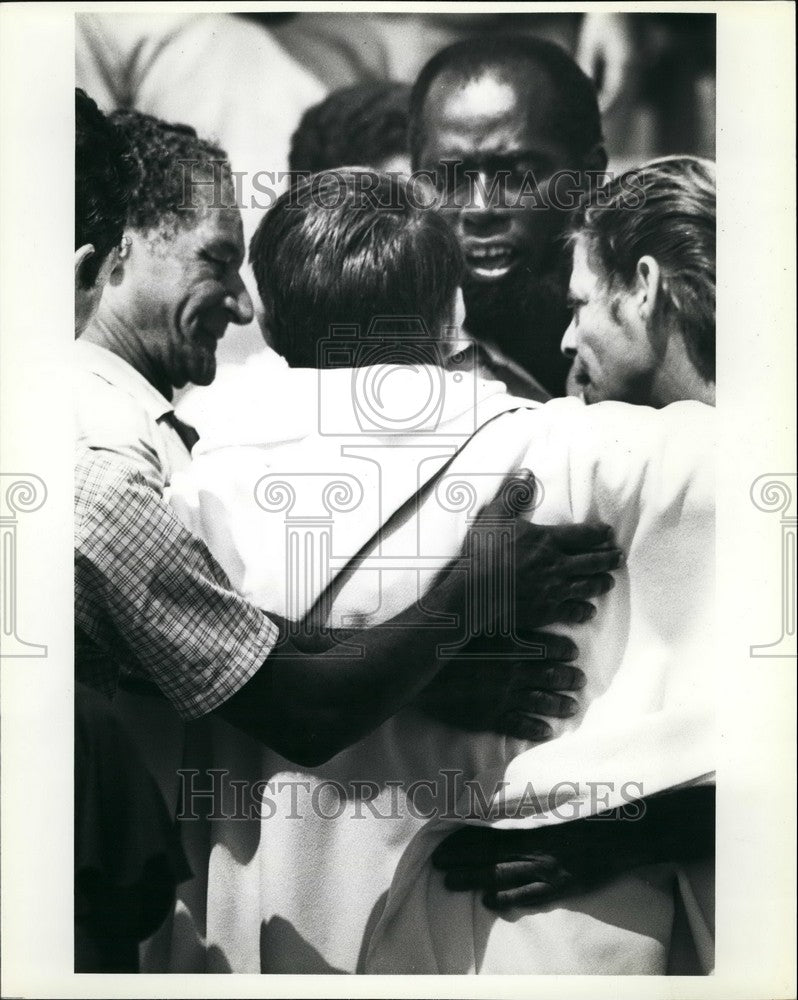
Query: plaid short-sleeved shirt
x=148 y=592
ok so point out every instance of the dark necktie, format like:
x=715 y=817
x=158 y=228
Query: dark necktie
x=186 y=432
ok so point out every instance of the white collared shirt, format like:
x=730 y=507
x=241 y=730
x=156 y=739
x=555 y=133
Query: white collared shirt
x=118 y=411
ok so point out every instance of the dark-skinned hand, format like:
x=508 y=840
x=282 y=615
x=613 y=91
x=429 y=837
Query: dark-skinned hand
x=501 y=686
x=535 y=867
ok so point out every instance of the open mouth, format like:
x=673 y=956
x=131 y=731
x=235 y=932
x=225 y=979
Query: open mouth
x=209 y=336
x=582 y=380
x=489 y=260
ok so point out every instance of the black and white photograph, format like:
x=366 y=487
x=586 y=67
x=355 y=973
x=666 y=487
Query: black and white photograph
x=397 y=581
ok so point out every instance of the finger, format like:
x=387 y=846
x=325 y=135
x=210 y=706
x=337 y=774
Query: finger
x=528 y=895
x=591 y=586
x=588 y=563
x=560 y=648
x=575 y=612
x=499 y=877
x=546 y=677
x=547 y=703
x=581 y=537
x=523 y=726
x=562 y=677
x=507 y=875
x=466 y=879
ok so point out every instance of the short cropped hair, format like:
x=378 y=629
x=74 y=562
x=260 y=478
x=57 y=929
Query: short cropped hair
x=365 y=125
x=105 y=175
x=664 y=209
x=578 y=126
x=163 y=196
x=338 y=251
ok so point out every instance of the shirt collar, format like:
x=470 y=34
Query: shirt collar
x=117 y=372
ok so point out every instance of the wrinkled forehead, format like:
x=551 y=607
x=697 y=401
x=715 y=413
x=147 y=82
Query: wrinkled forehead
x=204 y=211
x=517 y=97
x=214 y=191
x=200 y=231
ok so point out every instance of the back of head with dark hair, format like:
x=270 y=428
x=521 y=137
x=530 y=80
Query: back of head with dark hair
x=104 y=177
x=343 y=248
x=362 y=125
x=168 y=187
x=577 y=126
x=664 y=209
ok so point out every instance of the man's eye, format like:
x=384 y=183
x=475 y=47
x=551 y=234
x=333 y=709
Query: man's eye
x=574 y=306
x=214 y=261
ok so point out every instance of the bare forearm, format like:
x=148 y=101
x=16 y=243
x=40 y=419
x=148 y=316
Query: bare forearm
x=318 y=693
x=314 y=696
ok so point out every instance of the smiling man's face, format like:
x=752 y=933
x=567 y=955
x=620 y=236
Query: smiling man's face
x=500 y=127
x=188 y=288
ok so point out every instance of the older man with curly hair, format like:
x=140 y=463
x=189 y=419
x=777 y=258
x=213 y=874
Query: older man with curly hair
x=172 y=293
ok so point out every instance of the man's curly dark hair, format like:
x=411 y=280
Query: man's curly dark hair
x=363 y=125
x=105 y=175
x=176 y=169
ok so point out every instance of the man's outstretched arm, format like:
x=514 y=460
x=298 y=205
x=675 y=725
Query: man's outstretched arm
x=147 y=588
x=311 y=699
x=534 y=867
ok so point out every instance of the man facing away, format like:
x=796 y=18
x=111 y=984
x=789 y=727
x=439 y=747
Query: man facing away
x=172 y=291
x=333 y=257
x=149 y=596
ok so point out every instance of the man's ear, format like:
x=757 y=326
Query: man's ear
x=117 y=272
x=647 y=286
x=82 y=254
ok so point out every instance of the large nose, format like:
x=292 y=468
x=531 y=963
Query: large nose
x=238 y=302
x=482 y=212
x=568 y=344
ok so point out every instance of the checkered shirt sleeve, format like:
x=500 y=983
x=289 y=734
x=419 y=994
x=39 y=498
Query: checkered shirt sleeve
x=148 y=592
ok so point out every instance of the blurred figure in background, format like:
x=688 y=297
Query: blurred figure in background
x=362 y=125
x=642 y=290
x=654 y=73
x=225 y=76
x=246 y=80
